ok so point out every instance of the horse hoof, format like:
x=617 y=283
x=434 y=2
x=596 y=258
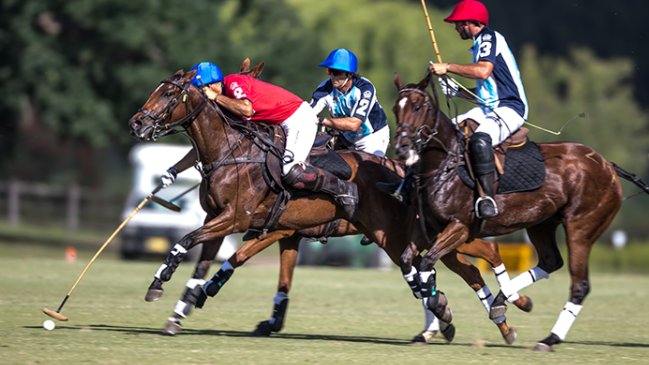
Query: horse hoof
x=510 y=336
x=153 y=295
x=524 y=303
x=423 y=338
x=172 y=328
x=449 y=332
x=497 y=311
x=263 y=329
x=542 y=347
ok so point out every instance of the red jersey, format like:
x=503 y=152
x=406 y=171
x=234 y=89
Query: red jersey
x=271 y=104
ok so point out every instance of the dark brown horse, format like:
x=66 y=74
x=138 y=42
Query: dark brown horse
x=236 y=198
x=581 y=192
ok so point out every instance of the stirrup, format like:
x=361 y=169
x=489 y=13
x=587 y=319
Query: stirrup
x=395 y=190
x=477 y=206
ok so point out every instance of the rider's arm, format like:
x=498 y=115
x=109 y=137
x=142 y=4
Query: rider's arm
x=342 y=124
x=186 y=162
x=240 y=107
x=481 y=70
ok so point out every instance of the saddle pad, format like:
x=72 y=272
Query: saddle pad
x=333 y=163
x=524 y=170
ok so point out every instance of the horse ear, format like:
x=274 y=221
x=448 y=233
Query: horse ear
x=245 y=65
x=397 y=81
x=423 y=84
x=257 y=70
x=189 y=75
x=180 y=73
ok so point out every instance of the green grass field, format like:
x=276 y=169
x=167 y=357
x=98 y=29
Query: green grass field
x=336 y=316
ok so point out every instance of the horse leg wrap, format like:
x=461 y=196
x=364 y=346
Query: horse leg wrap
x=173 y=259
x=189 y=298
x=213 y=286
x=566 y=318
x=438 y=304
x=276 y=320
x=428 y=284
x=414 y=282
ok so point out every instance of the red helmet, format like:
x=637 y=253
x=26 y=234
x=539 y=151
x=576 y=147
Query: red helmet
x=467 y=10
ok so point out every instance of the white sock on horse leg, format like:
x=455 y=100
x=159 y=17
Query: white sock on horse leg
x=486 y=298
x=431 y=322
x=503 y=281
x=524 y=280
x=566 y=319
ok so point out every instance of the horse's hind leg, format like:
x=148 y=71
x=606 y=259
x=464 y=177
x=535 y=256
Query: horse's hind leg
x=193 y=287
x=471 y=275
x=288 y=260
x=543 y=237
x=488 y=251
x=243 y=254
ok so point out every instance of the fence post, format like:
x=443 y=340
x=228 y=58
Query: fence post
x=74 y=199
x=13 y=200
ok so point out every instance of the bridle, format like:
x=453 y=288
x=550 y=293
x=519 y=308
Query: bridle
x=161 y=129
x=419 y=137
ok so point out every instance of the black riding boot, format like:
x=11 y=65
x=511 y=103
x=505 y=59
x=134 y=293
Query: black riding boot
x=399 y=190
x=307 y=177
x=484 y=166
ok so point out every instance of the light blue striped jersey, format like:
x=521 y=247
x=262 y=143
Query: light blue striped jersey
x=504 y=86
x=359 y=101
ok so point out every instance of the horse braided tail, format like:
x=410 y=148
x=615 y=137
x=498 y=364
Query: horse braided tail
x=629 y=176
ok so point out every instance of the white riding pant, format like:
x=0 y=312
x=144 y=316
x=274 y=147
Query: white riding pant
x=498 y=123
x=376 y=143
x=300 y=129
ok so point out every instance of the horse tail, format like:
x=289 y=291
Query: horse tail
x=629 y=176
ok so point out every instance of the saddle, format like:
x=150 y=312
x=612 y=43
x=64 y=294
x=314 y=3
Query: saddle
x=519 y=163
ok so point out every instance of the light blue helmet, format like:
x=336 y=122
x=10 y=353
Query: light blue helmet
x=341 y=59
x=207 y=73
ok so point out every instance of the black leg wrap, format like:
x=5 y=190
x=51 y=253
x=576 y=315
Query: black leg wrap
x=279 y=314
x=438 y=304
x=173 y=259
x=499 y=306
x=415 y=286
x=190 y=297
x=429 y=289
x=213 y=286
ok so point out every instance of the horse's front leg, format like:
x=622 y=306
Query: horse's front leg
x=289 y=247
x=193 y=288
x=243 y=254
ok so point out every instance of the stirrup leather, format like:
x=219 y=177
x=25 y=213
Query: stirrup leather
x=483 y=198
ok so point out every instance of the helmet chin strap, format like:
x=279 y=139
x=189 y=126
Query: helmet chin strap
x=343 y=84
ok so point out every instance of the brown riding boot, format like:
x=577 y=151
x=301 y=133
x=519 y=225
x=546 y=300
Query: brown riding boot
x=307 y=177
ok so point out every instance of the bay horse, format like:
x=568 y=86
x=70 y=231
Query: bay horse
x=238 y=198
x=581 y=191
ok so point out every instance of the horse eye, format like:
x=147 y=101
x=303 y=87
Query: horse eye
x=168 y=94
x=417 y=107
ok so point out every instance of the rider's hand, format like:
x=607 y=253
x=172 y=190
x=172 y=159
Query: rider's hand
x=169 y=177
x=448 y=86
x=438 y=69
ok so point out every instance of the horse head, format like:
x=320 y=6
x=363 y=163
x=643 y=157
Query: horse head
x=418 y=121
x=174 y=103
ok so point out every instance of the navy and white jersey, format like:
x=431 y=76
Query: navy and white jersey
x=504 y=86
x=359 y=101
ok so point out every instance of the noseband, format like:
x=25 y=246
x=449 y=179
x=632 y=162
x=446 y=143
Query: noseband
x=159 y=127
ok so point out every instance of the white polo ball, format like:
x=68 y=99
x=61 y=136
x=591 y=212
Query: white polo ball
x=49 y=324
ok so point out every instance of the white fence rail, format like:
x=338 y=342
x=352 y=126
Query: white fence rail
x=73 y=207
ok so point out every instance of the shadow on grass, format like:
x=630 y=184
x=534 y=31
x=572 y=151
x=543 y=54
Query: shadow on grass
x=281 y=336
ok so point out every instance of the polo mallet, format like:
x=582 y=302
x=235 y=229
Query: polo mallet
x=57 y=314
x=430 y=31
x=170 y=203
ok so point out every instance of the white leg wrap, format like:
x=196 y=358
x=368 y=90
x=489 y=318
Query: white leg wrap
x=178 y=249
x=503 y=281
x=424 y=275
x=431 y=322
x=524 y=280
x=566 y=319
x=160 y=269
x=410 y=277
x=486 y=298
x=180 y=307
x=192 y=283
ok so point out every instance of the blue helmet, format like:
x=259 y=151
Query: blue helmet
x=341 y=59
x=207 y=73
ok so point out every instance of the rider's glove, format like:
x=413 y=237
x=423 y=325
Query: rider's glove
x=168 y=177
x=448 y=86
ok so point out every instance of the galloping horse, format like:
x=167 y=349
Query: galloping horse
x=581 y=191
x=238 y=198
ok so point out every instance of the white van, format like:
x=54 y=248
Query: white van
x=154 y=230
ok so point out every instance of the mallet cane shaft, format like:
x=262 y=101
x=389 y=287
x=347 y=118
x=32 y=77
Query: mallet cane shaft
x=430 y=31
x=57 y=314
